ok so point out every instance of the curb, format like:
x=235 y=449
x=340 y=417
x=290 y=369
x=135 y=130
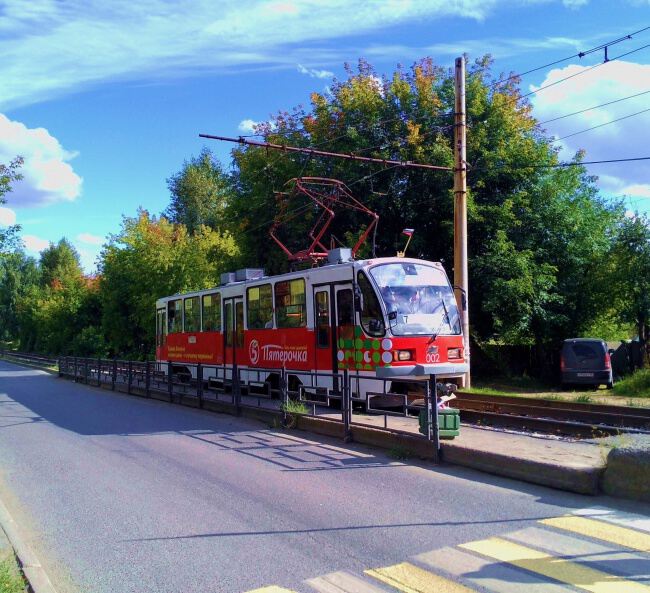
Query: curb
x=32 y=569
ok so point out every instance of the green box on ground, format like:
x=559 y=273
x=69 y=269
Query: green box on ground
x=448 y=422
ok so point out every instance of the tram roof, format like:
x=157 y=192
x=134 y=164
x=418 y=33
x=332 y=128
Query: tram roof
x=306 y=273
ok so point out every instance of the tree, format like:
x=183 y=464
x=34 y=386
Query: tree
x=631 y=256
x=18 y=274
x=60 y=264
x=151 y=258
x=536 y=233
x=200 y=192
x=9 y=174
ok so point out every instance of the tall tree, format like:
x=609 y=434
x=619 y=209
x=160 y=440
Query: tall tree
x=536 y=233
x=200 y=192
x=151 y=258
x=631 y=254
x=9 y=174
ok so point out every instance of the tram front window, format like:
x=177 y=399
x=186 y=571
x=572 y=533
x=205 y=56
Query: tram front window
x=418 y=299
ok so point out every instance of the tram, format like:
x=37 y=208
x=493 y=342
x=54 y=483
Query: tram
x=381 y=319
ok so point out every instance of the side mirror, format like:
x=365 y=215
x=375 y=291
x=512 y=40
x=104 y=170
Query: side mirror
x=392 y=315
x=463 y=296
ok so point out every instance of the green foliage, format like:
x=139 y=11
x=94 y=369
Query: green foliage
x=631 y=274
x=149 y=259
x=9 y=174
x=200 y=192
x=635 y=385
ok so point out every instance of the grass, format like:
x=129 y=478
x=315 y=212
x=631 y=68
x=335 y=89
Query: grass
x=584 y=398
x=11 y=579
x=294 y=407
x=635 y=385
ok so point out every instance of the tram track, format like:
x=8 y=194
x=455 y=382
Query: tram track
x=561 y=418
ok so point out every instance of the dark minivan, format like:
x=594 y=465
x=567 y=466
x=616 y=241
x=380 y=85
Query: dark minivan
x=586 y=361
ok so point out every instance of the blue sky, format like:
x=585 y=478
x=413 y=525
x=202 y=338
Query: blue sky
x=105 y=99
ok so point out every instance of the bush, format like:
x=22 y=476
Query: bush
x=635 y=385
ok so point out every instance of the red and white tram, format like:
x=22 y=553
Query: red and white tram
x=380 y=318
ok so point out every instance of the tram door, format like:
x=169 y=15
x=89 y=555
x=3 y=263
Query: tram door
x=325 y=349
x=233 y=334
x=345 y=343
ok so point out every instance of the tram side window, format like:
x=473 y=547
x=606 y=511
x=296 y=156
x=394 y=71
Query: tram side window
x=211 y=312
x=371 y=317
x=239 y=325
x=259 y=303
x=230 y=323
x=192 y=314
x=344 y=308
x=322 y=319
x=290 y=305
x=175 y=316
x=160 y=327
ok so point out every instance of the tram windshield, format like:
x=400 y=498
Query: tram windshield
x=418 y=299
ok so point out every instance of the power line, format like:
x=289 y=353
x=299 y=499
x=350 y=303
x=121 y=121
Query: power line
x=594 y=107
x=578 y=55
x=601 y=125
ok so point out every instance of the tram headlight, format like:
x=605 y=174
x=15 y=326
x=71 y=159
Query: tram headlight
x=454 y=353
x=404 y=355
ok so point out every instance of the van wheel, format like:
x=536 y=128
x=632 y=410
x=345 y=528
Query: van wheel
x=610 y=385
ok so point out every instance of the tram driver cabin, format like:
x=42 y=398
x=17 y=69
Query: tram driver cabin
x=381 y=318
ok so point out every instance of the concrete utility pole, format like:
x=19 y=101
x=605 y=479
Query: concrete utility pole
x=461 y=276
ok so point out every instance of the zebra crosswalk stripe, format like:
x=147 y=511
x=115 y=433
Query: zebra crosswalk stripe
x=608 y=532
x=409 y=578
x=558 y=569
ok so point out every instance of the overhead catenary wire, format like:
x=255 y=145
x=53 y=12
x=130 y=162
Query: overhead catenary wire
x=580 y=54
x=594 y=107
x=602 y=125
x=311 y=151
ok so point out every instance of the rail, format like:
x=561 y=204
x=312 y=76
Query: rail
x=34 y=359
x=577 y=419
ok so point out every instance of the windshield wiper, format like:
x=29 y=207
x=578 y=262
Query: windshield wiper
x=445 y=319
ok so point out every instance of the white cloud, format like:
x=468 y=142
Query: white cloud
x=617 y=140
x=637 y=191
x=89 y=239
x=7 y=216
x=247 y=126
x=54 y=48
x=313 y=73
x=47 y=175
x=35 y=244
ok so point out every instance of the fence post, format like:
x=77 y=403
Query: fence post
x=58 y=363
x=129 y=377
x=147 y=379
x=114 y=374
x=347 y=406
x=99 y=372
x=170 y=386
x=284 y=395
x=236 y=389
x=75 y=369
x=432 y=416
x=199 y=383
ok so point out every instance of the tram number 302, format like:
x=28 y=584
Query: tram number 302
x=432 y=357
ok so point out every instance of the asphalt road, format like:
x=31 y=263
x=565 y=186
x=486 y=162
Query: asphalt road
x=120 y=494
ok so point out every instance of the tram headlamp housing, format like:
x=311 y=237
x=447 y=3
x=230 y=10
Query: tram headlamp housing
x=454 y=353
x=403 y=355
